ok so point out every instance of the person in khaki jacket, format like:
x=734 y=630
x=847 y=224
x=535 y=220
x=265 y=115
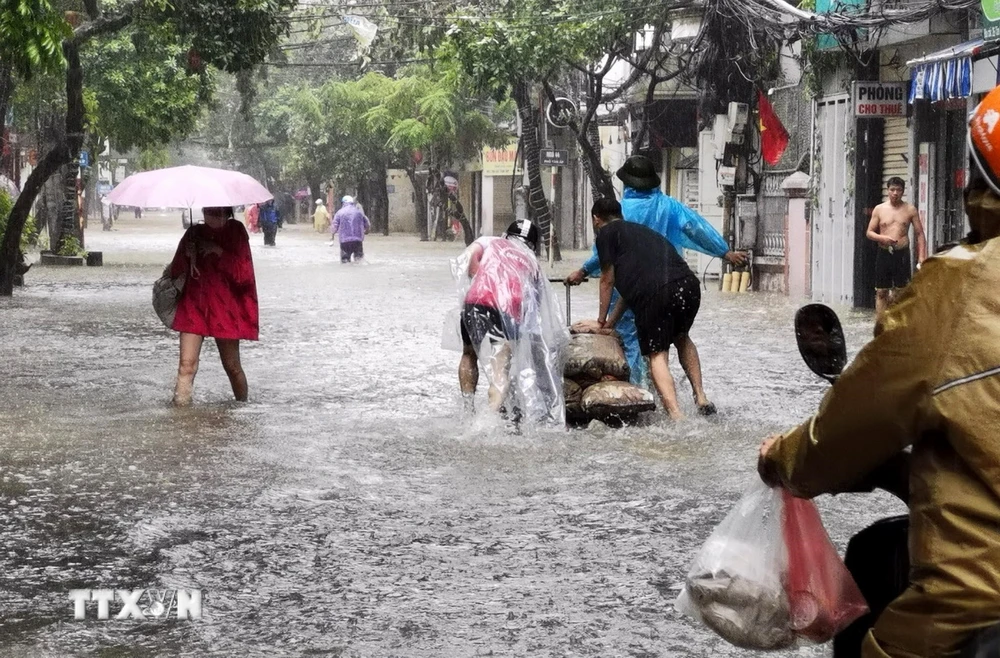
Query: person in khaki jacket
x=930 y=379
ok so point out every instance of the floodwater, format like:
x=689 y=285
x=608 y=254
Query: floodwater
x=348 y=509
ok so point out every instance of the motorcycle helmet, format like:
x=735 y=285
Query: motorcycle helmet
x=525 y=231
x=982 y=194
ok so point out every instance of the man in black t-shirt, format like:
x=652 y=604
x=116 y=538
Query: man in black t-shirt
x=662 y=291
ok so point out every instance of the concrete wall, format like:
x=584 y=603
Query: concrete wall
x=503 y=207
x=402 y=217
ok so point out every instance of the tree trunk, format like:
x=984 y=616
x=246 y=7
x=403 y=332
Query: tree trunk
x=643 y=130
x=51 y=204
x=419 y=201
x=382 y=192
x=375 y=198
x=439 y=199
x=458 y=212
x=538 y=207
x=60 y=154
x=6 y=91
x=69 y=224
x=590 y=147
x=588 y=138
x=89 y=186
x=9 y=259
x=579 y=214
x=317 y=192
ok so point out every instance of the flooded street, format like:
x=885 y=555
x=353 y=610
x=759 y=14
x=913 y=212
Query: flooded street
x=348 y=509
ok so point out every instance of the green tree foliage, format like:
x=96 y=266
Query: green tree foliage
x=231 y=35
x=31 y=34
x=328 y=135
x=29 y=234
x=532 y=40
x=153 y=157
x=430 y=114
x=427 y=111
x=347 y=129
x=352 y=131
x=141 y=89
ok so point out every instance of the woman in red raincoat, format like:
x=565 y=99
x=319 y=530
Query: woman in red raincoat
x=253 y=218
x=219 y=298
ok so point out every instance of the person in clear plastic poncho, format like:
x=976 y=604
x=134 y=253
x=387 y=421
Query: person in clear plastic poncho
x=510 y=326
x=644 y=203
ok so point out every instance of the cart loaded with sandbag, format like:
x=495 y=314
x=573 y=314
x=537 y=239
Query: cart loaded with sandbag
x=596 y=375
x=596 y=379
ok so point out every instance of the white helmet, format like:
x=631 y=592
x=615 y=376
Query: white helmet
x=319 y=202
x=347 y=199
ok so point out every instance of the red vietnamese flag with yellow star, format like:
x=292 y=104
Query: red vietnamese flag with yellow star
x=773 y=136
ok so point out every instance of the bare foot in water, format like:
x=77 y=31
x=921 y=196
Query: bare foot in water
x=182 y=394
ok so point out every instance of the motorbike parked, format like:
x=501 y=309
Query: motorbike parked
x=877 y=556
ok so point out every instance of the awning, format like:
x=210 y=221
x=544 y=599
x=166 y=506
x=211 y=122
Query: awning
x=947 y=73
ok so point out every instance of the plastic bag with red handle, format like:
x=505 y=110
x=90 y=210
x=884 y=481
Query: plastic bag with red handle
x=769 y=578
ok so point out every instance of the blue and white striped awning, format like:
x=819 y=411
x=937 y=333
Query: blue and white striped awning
x=947 y=73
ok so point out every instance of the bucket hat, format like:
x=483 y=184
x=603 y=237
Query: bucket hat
x=639 y=173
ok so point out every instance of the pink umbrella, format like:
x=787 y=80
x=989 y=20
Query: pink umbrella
x=188 y=187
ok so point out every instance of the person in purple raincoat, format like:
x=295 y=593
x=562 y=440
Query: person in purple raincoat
x=352 y=225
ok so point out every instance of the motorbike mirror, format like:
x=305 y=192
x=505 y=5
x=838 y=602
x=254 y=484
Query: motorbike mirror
x=821 y=340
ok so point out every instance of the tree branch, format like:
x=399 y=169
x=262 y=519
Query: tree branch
x=105 y=24
x=599 y=178
x=93 y=10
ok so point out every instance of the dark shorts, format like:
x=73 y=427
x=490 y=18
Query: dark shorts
x=355 y=248
x=892 y=270
x=668 y=315
x=480 y=321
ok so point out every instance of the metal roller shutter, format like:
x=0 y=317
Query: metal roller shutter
x=896 y=153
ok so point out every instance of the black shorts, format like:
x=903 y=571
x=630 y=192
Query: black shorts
x=480 y=321
x=892 y=270
x=668 y=315
x=355 y=248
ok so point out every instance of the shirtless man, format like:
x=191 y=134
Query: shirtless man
x=890 y=229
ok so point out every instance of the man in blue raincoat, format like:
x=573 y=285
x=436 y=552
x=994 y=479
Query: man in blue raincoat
x=645 y=204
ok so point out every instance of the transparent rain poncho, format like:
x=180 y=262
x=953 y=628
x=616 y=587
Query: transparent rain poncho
x=510 y=281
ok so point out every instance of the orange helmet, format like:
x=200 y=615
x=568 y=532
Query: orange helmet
x=984 y=138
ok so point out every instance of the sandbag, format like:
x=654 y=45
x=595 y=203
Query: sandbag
x=573 y=393
x=591 y=357
x=592 y=327
x=616 y=399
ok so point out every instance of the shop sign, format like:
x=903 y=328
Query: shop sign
x=501 y=162
x=879 y=99
x=991 y=20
